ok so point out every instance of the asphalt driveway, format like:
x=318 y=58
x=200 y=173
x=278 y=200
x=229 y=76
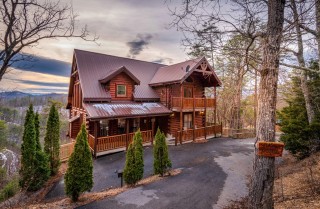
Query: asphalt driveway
x=212 y=174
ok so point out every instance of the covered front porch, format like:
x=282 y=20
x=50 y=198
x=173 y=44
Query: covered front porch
x=113 y=135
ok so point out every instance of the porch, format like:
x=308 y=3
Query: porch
x=107 y=144
x=198 y=133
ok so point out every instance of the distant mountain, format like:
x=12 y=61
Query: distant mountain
x=21 y=99
x=13 y=94
x=19 y=94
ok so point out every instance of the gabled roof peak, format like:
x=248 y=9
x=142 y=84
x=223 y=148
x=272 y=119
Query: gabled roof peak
x=111 y=74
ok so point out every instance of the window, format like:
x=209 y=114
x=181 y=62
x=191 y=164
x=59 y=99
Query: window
x=187 y=120
x=121 y=90
x=121 y=126
x=187 y=92
x=104 y=128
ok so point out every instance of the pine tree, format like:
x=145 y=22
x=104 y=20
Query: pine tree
x=41 y=163
x=129 y=169
x=138 y=154
x=79 y=175
x=133 y=171
x=160 y=154
x=28 y=149
x=52 y=140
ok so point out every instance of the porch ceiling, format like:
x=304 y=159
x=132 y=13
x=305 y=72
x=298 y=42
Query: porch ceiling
x=117 y=110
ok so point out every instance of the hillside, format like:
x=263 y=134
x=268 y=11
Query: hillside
x=297 y=183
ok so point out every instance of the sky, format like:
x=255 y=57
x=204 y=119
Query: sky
x=137 y=29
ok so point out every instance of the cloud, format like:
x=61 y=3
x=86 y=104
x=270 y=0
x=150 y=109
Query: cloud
x=165 y=61
x=42 y=65
x=141 y=42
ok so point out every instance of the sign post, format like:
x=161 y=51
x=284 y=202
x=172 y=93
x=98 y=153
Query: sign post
x=270 y=149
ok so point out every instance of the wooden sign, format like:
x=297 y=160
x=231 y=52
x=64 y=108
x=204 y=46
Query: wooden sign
x=270 y=149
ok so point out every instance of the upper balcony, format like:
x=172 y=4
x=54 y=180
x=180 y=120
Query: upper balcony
x=187 y=104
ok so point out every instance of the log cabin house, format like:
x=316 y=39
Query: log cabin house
x=116 y=96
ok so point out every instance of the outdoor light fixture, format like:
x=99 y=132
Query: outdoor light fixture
x=172 y=115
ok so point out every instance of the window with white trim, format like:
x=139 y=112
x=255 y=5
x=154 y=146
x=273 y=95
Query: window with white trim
x=121 y=90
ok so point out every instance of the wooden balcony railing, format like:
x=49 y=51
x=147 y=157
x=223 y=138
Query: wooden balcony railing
x=187 y=103
x=106 y=143
x=187 y=135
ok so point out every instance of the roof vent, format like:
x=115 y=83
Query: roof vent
x=187 y=68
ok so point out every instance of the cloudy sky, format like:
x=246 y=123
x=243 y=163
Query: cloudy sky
x=129 y=28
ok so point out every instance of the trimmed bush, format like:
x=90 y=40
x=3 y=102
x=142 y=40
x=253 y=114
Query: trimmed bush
x=9 y=189
x=134 y=166
x=52 y=140
x=79 y=175
x=161 y=161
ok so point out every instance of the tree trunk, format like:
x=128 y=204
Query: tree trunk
x=300 y=57
x=261 y=190
x=317 y=4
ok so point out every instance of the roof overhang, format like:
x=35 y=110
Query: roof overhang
x=97 y=111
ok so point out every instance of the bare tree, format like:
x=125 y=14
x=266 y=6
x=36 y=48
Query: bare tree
x=248 y=21
x=23 y=23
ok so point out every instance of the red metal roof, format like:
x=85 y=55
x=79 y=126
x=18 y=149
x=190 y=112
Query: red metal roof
x=132 y=109
x=174 y=73
x=93 y=67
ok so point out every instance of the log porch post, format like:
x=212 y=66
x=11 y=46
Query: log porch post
x=127 y=133
x=215 y=111
x=95 y=133
x=205 y=116
x=181 y=107
x=194 y=113
x=153 y=120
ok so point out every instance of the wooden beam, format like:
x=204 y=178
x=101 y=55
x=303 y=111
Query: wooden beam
x=153 y=120
x=215 y=110
x=127 y=133
x=194 y=113
x=95 y=134
x=181 y=107
x=205 y=116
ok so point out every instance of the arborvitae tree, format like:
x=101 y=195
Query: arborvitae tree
x=129 y=169
x=52 y=140
x=79 y=175
x=300 y=137
x=3 y=134
x=161 y=161
x=28 y=149
x=133 y=171
x=41 y=163
x=138 y=154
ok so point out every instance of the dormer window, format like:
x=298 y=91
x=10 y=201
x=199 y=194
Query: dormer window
x=121 y=90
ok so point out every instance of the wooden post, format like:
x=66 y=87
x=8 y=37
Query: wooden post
x=181 y=117
x=194 y=113
x=127 y=133
x=215 y=110
x=205 y=117
x=95 y=133
x=153 y=120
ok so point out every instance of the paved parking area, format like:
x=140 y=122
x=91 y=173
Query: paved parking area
x=212 y=174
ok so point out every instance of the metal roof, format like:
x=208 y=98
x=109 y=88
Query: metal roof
x=93 y=67
x=174 y=73
x=132 y=109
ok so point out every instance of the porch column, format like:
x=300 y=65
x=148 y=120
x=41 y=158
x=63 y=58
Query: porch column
x=153 y=120
x=215 y=111
x=181 y=106
x=205 y=117
x=95 y=134
x=127 y=133
x=194 y=114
